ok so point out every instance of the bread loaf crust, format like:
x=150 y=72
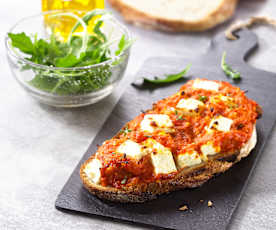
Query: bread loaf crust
x=215 y=17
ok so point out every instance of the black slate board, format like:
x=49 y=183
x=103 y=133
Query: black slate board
x=225 y=190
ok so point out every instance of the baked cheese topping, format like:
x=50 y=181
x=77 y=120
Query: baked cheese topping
x=131 y=149
x=152 y=122
x=206 y=85
x=221 y=124
x=92 y=170
x=162 y=158
x=218 y=98
x=189 y=104
x=209 y=149
x=188 y=159
x=204 y=121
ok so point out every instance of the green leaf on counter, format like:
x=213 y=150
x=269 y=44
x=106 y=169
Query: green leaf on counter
x=227 y=69
x=169 y=78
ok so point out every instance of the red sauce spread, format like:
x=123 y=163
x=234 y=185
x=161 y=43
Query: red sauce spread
x=189 y=132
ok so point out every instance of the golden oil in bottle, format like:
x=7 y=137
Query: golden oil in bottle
x=62 y=25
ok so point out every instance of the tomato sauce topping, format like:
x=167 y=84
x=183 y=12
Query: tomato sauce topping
x=189 y=132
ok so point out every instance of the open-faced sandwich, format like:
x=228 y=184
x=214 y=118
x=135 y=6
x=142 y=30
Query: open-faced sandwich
x=181 y=142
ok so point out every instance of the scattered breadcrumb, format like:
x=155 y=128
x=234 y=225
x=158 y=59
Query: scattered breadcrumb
x=201 y=201
x=183 y=208
x=210 y=203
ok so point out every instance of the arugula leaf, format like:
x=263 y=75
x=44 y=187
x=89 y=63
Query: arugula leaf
x=169 y=78
x=123 y=45
x=98 y=31
x=40 y=51
x=22 y=42
x=53 y=84
x=235 y=75
x=68 y=61
x=86 y=18
x=55 y=48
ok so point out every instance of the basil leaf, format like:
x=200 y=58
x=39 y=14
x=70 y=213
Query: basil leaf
x=169 y=78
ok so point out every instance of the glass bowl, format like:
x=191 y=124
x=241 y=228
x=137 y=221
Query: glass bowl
x=67 y=87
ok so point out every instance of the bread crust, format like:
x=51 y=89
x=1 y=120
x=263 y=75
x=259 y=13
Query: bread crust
x=215 y=17
x=191 y=178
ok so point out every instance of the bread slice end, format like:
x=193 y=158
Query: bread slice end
x=138 y=17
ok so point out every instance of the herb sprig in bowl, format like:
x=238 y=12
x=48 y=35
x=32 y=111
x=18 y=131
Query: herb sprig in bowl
x=78 y=70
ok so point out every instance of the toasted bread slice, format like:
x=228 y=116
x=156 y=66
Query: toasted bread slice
x=176 y=15
x=183 y=141
x=187 y=178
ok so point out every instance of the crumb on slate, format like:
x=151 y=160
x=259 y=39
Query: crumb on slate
x=210 y=203
x=183 y=208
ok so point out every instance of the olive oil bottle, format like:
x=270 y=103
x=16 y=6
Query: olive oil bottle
x=62 y=25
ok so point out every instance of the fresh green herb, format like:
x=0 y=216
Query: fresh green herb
x=233 y=106
x=180 y=117
x=124 y=180
x=202 y=98
x=123 y=45
x=22 y=42
x=235 y=75
x=88 y=17
x=125 y=131
x=78 y=51
x=169 y=78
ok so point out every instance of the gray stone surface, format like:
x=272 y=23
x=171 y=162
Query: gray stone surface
x=41 y=145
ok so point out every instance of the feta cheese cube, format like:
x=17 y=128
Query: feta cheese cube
x=131 y=149
x=151 y=122
x=221 y=124
x=93 y=172
x=205 y=84
x=209 y=149
x=189 y=104
x=162 y=158
x=188 y=159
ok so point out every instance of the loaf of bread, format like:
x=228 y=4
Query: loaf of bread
x=176 y=15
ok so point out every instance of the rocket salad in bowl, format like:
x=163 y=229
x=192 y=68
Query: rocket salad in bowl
x=71 y=71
